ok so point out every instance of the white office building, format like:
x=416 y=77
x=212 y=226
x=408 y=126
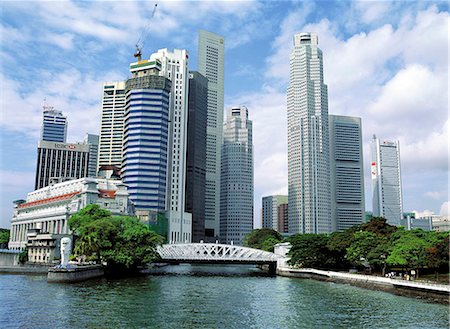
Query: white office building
x=386 y=180
x=236 y=195
x=308 y=140
x=48 y=209
x=346 y=172
x=211 y=51
x=174 y=66
x=111 y=129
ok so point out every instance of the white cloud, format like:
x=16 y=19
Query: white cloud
x=77 y=95
x=445 y=209
x=425 y=213
x=372 y=11
x=64 y=40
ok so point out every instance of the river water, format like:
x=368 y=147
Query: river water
x=187 y=296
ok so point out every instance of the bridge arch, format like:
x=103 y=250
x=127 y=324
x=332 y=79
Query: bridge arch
x=214 y=253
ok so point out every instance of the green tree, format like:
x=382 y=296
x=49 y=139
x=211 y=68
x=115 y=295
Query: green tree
x=90 y=213
x=409 y=249
x=378 y=226
x=23 y=256
x=364 y=248
x=311 y=250
x=121 y=241
x=4 y=238
x=263 y=238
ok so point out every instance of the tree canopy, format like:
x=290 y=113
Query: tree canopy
x=4 y=238
x=120 y=241
x=375 y=244
x=263 y=238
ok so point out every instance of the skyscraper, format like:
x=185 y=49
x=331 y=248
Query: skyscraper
x=174 y=66
x=347 y=174
x=58 y=162
x=145 y=144
x=111 y=129
x=196 y=153
x=92 y=140
x=54 y=125
x=308 y=141
x=211 y=53
x=386 y=180
x=236 y=195
x=270 y=210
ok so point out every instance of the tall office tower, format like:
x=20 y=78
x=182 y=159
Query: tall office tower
x=270 y=210
x=386 y=180
x=346 y=172
x=58 y=162
x=174 y=66
x=283 y=223
x=92 y=140
x=308 y=151
x=145 y=144
x=111 y=130
x=236 y=195
x=196 y=153
x=211 y=53
x=54 y=125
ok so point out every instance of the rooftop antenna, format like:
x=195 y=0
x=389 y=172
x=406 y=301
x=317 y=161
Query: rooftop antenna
x=140 y=42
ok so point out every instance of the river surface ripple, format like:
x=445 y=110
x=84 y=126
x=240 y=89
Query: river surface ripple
x=207 y=297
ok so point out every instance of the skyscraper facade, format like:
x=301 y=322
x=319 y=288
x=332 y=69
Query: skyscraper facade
x=236 y=195
x=92 y=140
x=145 y=144
x=346 y=172
x=270 y=210
x=196 y=153
x=386 y=180
x=58 y=162
x=308 y=140
x=111 y=127
x=54 y=125
x=211 y=53
x=174 y=66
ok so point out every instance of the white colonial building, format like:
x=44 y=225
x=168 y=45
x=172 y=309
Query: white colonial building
x=48 y=209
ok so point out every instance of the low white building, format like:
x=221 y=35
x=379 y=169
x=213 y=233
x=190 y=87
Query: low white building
x=49 y=208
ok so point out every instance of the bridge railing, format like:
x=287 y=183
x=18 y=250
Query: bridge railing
x=214 y=252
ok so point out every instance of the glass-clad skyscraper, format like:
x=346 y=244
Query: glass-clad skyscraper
x=54 y=125
x=386 y=180
x=347 y=174
x=146 y=121
x=308 y=140
x=211 y=55
x=236 y=195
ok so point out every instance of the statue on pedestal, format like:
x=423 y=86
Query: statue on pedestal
x=66 y=249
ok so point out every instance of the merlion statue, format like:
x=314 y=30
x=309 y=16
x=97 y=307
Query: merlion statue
x=66 y=249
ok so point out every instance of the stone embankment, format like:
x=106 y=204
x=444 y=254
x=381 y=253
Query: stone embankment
x=437 y=293
x=75 y=273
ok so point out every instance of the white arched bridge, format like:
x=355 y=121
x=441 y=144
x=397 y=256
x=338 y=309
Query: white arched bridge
x=215 y=253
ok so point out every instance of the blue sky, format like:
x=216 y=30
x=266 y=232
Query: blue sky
x=386 y=62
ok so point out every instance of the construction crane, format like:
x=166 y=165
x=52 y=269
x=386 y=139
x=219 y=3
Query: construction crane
x=141 y=40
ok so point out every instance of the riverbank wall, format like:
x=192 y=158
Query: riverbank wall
x=24 y=269
x=436 y=293
x=74 y=274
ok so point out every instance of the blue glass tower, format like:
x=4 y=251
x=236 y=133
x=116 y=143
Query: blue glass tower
x=54 y=126
x=146 y=120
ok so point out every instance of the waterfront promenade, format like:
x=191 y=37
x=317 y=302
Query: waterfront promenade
x=429 y=291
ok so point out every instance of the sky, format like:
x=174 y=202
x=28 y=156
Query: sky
x=386 y=62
